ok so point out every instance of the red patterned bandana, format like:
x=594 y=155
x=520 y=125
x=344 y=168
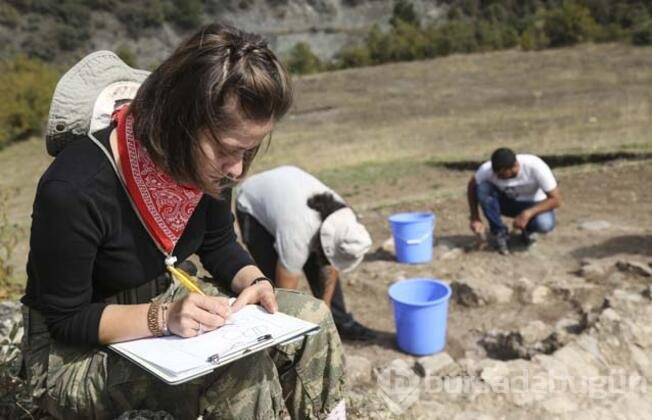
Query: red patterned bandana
x=163 y=206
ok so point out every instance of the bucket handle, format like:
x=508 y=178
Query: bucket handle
x=415 y=241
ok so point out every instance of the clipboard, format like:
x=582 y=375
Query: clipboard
x=176 y=360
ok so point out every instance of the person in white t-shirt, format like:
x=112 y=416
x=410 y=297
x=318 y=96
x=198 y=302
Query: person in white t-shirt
x=518 y=186
x=294 y=224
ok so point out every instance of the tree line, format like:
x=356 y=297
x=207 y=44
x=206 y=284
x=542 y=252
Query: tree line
x=487 y=25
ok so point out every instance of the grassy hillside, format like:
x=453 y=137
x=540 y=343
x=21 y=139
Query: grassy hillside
x=590 y=98
x=360 y=129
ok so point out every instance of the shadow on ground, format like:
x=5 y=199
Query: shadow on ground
x=627 y=244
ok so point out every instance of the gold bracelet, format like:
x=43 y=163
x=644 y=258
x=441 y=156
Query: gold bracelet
x=153 y=322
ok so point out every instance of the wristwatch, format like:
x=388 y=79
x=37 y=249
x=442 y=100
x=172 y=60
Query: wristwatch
x=261 y=279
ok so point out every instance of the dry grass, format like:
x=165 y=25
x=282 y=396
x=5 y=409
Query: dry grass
x=591 y=98
x=363 y=128
x=21 y=166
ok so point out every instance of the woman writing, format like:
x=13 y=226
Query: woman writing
x=118 y=208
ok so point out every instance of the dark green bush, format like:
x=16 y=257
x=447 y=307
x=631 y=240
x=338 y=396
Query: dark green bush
x=9 y=16
x=570 y=24
x=488 y=36
x=71 y=37
x=631 y=14
x=642 y=34
x=378 y=44
x=142 y=15
x=127 y=55
x=460 y=37
x=406 y=42
x=302 y=60
x=404 y=12
x=187 y=13
x=352 y=56
x=534 y=37
x=73 y=13
x=26 y=86
x=610 y=32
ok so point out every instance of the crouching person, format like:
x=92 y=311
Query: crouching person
x=518 y=186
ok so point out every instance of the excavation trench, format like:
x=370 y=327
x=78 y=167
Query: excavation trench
x=554 y=161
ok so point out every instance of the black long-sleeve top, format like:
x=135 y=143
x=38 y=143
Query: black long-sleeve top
x=88 y=244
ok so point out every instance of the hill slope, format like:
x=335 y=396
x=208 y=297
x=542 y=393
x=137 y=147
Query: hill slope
x=63 y=30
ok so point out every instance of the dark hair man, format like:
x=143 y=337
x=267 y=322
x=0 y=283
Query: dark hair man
x=518 y=186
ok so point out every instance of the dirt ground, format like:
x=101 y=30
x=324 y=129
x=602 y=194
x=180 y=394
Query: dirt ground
x=614 y=198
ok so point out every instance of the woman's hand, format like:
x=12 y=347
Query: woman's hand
x=195 y=314
x=261 y=293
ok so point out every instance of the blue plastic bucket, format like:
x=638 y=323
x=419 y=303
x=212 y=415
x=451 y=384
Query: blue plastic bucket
x=421 y=314
x=412 y=234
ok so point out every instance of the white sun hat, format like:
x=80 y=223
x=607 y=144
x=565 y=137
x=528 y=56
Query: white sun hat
x=86 y=96
x=345 y=240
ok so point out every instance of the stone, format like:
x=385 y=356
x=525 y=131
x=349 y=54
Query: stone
x=11 y=321
x=647 y=292
x=535 y=294
x=495 y=373
x=549 y=363
x=501 y=293
x=641 y=360
x=145 y=415
x=430 y=406
x=358 y=368
x=440 y=364
x=468 y=365
x=522 y=287
x=610 y=315
x=536 y=331
x=443 y=245
x=540 y=295
x=524 y=283
x=395 y=389
x=10 y=314
x=581 y=357
x=594 y=225
x=388 y=246
x=472 y=415
x=472 y=293
x=594 y=269
x=622 y=299
x=451 y=254
x=560 y=404
x=634 y=267
x=465 y=295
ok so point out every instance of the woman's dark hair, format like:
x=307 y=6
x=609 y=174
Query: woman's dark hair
x=502 y=158
x=324 y=204
x=210 y=83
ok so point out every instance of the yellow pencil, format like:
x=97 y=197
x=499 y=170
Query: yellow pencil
x=185 y=280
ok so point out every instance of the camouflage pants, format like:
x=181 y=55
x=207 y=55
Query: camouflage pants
x=304 y=377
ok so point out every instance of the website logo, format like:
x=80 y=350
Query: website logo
x=398 y=386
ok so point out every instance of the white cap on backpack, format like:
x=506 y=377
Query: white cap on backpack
x=85 y=97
